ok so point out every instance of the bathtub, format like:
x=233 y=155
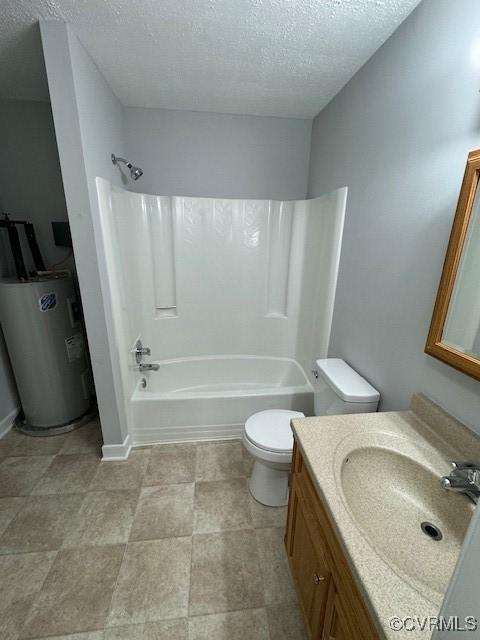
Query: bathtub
x=209 y=398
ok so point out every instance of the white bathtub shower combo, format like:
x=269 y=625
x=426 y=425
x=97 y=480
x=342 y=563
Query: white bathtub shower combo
x=234 y=299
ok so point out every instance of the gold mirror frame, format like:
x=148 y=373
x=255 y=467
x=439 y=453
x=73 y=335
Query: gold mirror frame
x=435 y=347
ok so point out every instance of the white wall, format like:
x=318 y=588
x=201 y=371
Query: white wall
x=218 y=155
x=89 y=127
x=28 y=157
x=398 y=135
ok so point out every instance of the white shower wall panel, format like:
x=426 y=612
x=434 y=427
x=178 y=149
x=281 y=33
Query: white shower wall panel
x=210 y=276
x=321 y=251
x=131 y=228
x=227 y=264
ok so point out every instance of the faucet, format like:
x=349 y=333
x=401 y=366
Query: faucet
x=464 y=478
x=148 y=367
x=139 y=351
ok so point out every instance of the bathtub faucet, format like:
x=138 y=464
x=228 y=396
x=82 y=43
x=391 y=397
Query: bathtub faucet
x=148 y=367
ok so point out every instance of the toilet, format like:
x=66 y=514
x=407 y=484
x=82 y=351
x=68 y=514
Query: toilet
x=338 y=389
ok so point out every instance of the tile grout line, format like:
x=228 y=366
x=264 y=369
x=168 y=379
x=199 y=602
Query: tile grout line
x=34 y=601
x=193 y=532
x=114 y=589
x=125 y=549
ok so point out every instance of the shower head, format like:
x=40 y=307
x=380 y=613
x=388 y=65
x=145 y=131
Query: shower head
x=135 y=172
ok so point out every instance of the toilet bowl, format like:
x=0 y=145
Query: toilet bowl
x=268 y=438
x=338 y=389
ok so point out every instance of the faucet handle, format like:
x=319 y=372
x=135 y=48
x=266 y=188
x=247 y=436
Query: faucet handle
x=139 y=348
x=464 y=464
x=139 y=351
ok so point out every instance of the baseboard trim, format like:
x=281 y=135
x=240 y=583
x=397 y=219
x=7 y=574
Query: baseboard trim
x=195 y=433
x=7 y=423
x=112 y=452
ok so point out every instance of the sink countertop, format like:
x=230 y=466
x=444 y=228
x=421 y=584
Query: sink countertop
x=426 y=428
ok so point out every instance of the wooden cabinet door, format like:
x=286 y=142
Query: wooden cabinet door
x=336 y=625
x=308 y=566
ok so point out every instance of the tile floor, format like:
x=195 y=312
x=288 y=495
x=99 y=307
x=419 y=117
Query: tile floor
x=168 y=545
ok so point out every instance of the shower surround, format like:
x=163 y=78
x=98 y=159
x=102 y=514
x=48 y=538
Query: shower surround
x=234 y=298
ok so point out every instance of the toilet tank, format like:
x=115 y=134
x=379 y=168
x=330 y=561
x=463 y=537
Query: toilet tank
x=339 y=389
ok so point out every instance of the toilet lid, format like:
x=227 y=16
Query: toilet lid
x=271 y=429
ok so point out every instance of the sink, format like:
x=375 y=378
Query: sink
x=392 y=490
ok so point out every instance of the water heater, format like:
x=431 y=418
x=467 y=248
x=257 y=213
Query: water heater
x=42 y=326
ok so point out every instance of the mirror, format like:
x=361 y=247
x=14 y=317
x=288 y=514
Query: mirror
x=454 y=335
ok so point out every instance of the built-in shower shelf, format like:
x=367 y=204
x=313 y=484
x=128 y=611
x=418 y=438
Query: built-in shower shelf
x=166 y=312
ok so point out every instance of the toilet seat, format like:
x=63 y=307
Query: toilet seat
x=270 y=430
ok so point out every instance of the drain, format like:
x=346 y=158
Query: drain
x=431 y=531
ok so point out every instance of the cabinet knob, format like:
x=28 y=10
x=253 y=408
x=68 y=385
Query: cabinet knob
x=317 y=579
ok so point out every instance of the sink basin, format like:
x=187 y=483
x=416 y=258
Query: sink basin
x=390 y=493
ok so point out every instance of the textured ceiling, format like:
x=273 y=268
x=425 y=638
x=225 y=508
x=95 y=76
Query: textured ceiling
x=265 y=57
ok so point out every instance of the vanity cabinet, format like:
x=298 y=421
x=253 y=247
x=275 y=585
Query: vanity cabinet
x=332 y=607
x=336 y=625
x=308 y=566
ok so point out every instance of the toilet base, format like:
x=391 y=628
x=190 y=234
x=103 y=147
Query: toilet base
x=268 y=483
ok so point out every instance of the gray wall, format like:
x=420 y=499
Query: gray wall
x=28 y=157
x=211 y=154
x=89 y=126
x=398 y=135
x=30 y=179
